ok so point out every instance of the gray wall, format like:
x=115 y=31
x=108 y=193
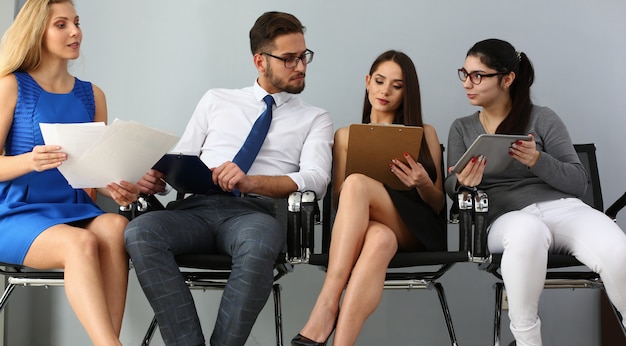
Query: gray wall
x=154 y=59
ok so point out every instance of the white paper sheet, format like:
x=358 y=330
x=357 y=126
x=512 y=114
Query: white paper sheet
x=98 y=154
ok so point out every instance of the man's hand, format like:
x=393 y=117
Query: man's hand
x=229 y=176
x=123 y=193
x=152 y=182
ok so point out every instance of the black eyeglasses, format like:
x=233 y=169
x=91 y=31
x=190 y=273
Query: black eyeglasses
x=475 y=77
x=292 y=61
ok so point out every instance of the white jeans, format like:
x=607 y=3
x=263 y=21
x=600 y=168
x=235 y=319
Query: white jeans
x=565 y=226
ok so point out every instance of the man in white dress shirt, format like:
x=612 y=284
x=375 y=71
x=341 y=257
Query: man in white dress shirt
x=295 y=156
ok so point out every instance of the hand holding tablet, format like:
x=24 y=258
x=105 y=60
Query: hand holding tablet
x=494 y=147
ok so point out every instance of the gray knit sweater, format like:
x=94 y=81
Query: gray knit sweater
x=557 y=174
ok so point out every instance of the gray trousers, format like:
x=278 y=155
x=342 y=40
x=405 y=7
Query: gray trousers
x=243 y=228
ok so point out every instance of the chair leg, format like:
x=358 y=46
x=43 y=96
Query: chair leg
x=150 y=333
x=618 y=316
x=278 y=318
x=5 y=296
x=446 y=312
x=498 y=313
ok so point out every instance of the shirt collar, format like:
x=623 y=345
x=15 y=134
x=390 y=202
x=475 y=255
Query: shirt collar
x=279 y=98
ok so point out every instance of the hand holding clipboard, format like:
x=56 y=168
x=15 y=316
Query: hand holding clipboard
x=186 y=173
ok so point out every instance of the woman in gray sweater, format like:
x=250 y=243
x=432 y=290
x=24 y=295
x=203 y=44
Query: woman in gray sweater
x=534 y=203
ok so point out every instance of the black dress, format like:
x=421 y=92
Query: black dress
x=427 y=226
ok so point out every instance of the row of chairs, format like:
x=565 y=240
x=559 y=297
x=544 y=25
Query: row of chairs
x=410 y=270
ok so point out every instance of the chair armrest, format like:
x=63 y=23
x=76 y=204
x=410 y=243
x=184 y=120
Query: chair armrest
x=143 y=204
x=616 y=207
x=294 y=223
x=463 y=215
x=481 y=207
x=303 y=211
x=473 y=206
x=310 y=213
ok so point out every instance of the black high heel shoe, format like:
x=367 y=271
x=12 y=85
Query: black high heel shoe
x=301 y=340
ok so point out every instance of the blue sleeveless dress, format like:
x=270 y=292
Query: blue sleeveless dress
x=38 y=200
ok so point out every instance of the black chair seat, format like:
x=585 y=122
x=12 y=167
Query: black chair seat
x=554 y=261
x=17 y=271
x=211 y=261
x=205 y=261
x=561 y=261
x=407 y=259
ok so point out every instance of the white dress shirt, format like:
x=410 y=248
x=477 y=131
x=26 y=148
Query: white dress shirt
x=298 y=144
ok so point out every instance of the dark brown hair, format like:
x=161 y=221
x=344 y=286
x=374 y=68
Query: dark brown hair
x=410 y=111
x=502 y=57
x=270 y=25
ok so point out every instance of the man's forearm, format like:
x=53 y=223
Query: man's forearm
x=272 y=186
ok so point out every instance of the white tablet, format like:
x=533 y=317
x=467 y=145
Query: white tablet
x=494 y=147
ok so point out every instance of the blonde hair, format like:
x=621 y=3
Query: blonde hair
x=22 y=42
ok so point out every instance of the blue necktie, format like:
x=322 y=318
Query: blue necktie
x=256 y=137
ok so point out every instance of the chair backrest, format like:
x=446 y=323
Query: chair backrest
x=593 y=194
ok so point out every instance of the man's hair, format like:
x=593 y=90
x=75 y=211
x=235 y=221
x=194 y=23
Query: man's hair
x=270 y=25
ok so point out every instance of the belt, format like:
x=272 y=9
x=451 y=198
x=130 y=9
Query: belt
x=253 y=195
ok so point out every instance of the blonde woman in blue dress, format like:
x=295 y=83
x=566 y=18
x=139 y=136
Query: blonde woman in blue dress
x=44 y=222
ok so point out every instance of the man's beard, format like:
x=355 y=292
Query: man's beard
x=281 y=85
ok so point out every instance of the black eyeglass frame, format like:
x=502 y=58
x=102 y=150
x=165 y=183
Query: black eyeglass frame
x=306 y=58
x=463 y=75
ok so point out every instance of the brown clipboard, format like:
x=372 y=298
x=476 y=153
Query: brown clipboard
x=371 y=147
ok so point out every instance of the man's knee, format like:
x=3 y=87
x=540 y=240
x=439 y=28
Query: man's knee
x=143 y=229
x=263 y=247
x=261 y=242
x=133 y=232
